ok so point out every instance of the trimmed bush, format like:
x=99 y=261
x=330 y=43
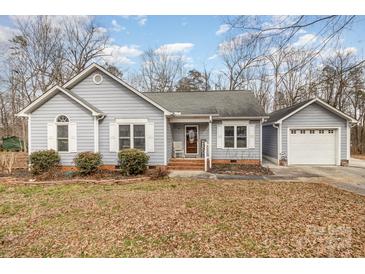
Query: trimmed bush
x=88 y=162
x=133 y=161
x=43 y=161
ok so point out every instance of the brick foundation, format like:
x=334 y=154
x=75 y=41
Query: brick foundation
x=240 y=162
x=103 y=167
x=344 y=162
x=283 y=163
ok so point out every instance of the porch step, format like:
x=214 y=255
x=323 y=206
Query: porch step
x=185 y=167
x=186 y=164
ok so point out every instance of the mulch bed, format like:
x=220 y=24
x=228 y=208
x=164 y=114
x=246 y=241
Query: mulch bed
x=238 y=169
x=24 y=177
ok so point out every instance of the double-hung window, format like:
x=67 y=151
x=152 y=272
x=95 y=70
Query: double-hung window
x=62 y=124
x=235 y=136
x=132 y=136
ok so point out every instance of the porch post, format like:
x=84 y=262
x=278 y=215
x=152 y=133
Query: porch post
x=210 y=142
x=96 y=134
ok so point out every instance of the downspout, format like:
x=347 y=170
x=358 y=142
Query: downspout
x=278 y=127
x=261 y=121
x=97 y=118
x=210 y=141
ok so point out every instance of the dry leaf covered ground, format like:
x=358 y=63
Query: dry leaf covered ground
x=181 y=218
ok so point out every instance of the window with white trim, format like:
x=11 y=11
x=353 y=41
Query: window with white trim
x=132 y=136
x=312 y=131
x=293 y=131
x=62 y=123
x=330 y=131
x=321 y=131
x=302 y=131
x=235 y=136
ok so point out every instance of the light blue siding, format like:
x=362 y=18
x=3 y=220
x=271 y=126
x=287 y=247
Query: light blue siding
x=236 y=154
x=117 y=102
x=315 y=116
x=270 y=141
x=61 y=104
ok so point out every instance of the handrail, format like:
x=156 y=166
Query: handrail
x=206 y=156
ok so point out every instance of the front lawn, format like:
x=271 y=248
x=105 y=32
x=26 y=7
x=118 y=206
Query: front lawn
x=181 y=218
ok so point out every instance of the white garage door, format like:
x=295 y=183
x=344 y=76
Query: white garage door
x=312 y=146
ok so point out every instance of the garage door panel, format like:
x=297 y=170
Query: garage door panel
x=312 y=148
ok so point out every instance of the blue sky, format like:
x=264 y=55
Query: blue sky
x=197 y=37
x=198 y=33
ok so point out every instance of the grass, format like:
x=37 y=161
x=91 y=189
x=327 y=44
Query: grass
x=181 y=218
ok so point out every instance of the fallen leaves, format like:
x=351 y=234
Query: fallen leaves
x=181 y=218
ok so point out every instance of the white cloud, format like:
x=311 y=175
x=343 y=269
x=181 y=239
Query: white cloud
x=121 y=55
x=116 y=26
x=213 y=57
x=6 y=33
x=305 y=39
x=101 y=30
x=174 y=48
x=332 y=52
x=223 y=29
x=141 y=19
x=350 y=50
x=233 y=43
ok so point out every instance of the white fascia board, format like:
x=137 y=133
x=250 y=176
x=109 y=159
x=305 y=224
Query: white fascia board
x=44 y=97
x=40 y=99
x=242 y=118
x=96 y=66
x=325 y=105
x=340 y=113
x=295 y=111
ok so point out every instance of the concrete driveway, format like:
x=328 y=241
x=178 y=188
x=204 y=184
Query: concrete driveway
x=350 y=178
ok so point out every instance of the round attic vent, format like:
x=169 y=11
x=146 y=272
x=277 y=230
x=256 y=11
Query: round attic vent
x=98 y=79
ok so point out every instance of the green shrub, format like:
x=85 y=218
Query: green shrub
x=87 y=162
x=133 y=161
x=43 y=161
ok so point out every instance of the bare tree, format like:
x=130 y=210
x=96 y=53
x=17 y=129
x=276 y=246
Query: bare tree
x=161 y=70
x=85 y=42
x=282 y=29
x=44 y=52
x=241 y=55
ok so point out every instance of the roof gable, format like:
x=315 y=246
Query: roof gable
x=49 y=94
x=282 y=114
x=93 y=67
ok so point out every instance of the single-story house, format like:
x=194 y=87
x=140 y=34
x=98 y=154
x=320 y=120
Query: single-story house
x=310 y=132
x=97 y=111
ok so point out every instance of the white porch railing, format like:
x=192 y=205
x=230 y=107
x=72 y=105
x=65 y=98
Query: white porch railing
x=207 y=158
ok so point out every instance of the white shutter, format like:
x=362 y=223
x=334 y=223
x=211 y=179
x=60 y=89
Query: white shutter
x=51 y=136
x=150 y=137
x=220 y=137
x=113 y=137
x=72 y=137
x=251 y=136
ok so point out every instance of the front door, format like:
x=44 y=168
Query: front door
x=191 y=139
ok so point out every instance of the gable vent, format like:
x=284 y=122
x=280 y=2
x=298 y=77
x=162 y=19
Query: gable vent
x=97 y=79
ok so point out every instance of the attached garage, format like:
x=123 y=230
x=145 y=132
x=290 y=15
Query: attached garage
x=309 y=133
x=313 y=146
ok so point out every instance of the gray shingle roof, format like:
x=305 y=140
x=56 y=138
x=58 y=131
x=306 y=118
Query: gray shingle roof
x=281 y=113
x=223 y=103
